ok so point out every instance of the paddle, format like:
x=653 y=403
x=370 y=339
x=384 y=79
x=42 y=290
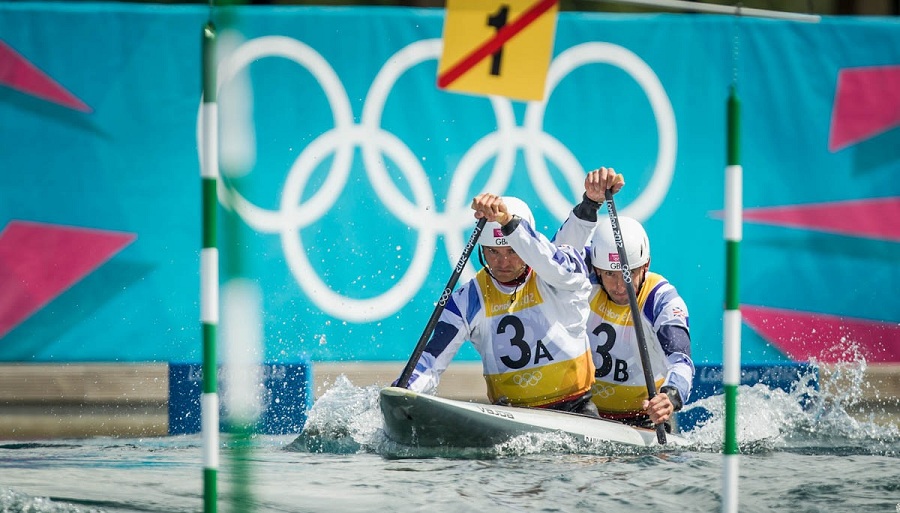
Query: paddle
x=442 y=302
x=635 y=312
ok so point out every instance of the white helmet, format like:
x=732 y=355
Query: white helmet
x=605 y=252
x=492 y=236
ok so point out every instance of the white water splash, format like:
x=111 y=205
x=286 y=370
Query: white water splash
x=764 y=415
x=811 y=416
x=346 y=418
x=814 y=413
x=15 y=502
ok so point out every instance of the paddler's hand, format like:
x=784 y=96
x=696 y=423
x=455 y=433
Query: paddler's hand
x=597 y=181
x=491 y=207
x=660 y=408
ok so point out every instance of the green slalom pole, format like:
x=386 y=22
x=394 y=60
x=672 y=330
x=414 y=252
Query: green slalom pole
x=209 y=271
x=242 y=325
x=732 y=316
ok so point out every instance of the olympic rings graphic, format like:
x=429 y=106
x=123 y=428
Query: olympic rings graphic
x=375 y=143
x=603 y=391
x=528 y=379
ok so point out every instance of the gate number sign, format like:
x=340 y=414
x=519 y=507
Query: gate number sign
x=498 y=47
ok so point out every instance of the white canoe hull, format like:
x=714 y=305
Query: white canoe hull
x=424 y=420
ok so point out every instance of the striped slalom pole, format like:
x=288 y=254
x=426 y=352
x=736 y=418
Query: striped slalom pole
x=243 y=347
x=732 y=316
x=242 y=322
x=209 y=271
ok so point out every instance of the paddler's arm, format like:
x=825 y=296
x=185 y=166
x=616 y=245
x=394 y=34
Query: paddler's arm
x=561 y=266
x=578 y=228
x=448 y=336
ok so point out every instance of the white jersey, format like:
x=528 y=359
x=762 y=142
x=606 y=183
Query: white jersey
x=531 y=337
x=620 y=386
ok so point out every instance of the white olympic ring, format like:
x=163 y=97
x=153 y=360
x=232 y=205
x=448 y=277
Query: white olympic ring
x=295 y=213
x=528 y=379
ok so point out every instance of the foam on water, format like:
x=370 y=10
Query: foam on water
x=13 y=502
x=810 y=417
x=344 y=419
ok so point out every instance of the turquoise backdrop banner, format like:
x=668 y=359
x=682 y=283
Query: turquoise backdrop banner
x=354 y=206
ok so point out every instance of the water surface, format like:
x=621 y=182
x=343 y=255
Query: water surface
x=800 y=452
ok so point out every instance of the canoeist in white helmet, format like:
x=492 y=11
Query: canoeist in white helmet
x=524 y=312
x=620 y=391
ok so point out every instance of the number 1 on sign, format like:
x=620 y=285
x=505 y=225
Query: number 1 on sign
x=498 y=47
x=498 y=21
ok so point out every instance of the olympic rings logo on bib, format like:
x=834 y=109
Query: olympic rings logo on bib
x=528 y=379
x=499 y=149
x=603 y=391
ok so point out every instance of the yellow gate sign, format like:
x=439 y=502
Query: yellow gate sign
x=500 y=47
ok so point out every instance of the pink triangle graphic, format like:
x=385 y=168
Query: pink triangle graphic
x=38 y=262
x=805 y=335
x=873 y=218
x=16 y=72
x=866 y=103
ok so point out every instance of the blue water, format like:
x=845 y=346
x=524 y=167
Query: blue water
x=800 y=452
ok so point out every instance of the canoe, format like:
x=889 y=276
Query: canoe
x=423 y=420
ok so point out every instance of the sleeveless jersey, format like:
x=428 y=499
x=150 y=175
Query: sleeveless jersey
x=531 y=338
x=620 y=384
x=531 y=361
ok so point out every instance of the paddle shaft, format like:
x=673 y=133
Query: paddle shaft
x=635 y=311
x=442 y=302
